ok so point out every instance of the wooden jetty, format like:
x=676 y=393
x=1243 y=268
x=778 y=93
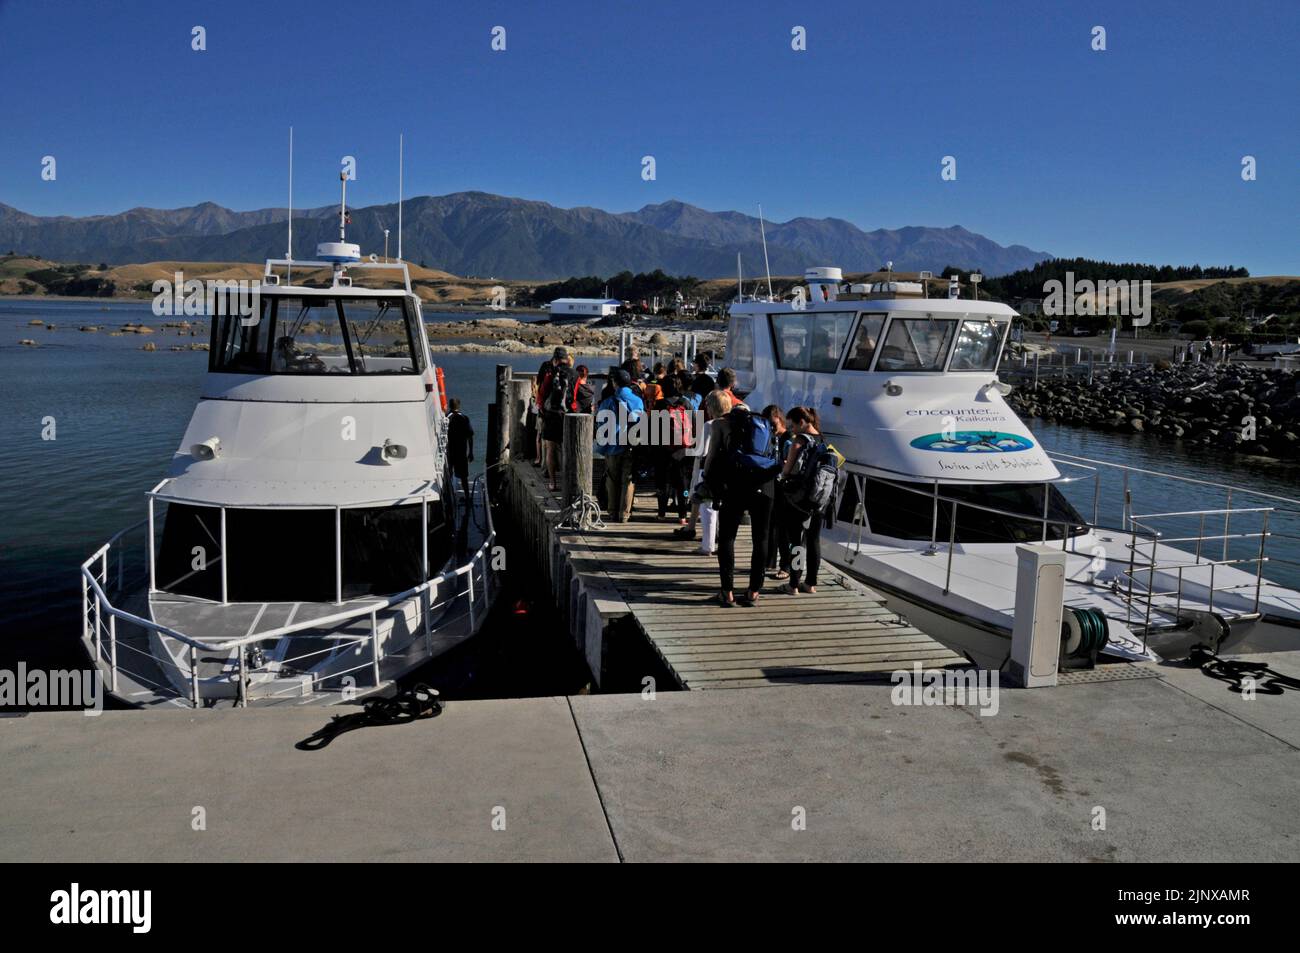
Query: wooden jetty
x=637 y=580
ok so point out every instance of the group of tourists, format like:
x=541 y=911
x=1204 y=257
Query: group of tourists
x=775 y=469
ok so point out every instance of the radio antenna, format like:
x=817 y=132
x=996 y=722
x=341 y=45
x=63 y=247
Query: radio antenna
x=289 y=251
x=740 y=281
x=768 y=268
x=401 y=143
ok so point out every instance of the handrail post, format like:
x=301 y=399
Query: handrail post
x=952 y=538
x=224 y=599
x=243 y=676
x=153 y=579
x=194 y=676
x=374 y=643
x=112 y=647
x=1047 y=496
x=338 y=555
x=1096 y=496
x=1227 y=518
x=470 y=574
x=429 y=596
x=934 y=518
x=1259 y=563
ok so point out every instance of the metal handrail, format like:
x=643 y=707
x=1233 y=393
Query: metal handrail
x=103 y=603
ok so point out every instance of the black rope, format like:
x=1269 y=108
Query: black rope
x=411 y=705
x=1236 y=671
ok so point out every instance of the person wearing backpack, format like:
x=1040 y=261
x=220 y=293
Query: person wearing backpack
x=778 y=542
x=584 y=398
x=670 y=480
x=553 y=394
x=611 y=442
x=741 y=478
x=809 y=464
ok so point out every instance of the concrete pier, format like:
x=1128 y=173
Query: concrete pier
x=635 y=581
x=1184 y=769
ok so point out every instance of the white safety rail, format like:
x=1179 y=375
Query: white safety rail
x=114 y=570
x=1162 y=545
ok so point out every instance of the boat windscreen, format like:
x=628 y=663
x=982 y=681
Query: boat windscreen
x=318 y=334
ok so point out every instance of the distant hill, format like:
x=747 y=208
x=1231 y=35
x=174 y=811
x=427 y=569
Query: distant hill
x=484 y=235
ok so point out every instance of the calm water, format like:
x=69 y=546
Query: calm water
x=120 y=413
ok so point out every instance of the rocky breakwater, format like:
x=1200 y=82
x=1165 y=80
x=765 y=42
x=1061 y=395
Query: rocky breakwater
x=1232 y=407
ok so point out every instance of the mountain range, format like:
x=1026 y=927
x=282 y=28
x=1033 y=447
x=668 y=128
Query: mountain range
x=485 y=235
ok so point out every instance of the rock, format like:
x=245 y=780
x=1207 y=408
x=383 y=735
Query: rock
x=149 y=346
x=28 y=342
x=35 y=323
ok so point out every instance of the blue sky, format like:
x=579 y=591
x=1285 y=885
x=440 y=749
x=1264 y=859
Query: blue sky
x=1133 y=153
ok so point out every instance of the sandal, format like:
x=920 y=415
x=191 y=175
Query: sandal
x=804 y=587
x=726 y=600
x=778 y=574
x=684 y=532
x=749 y=600
x=790 y=590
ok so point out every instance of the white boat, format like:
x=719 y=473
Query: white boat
x=307 y=543
x=945 y=481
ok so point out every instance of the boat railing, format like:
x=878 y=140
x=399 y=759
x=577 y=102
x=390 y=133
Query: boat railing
x=1143 y=530
x=112 y=570
x=1142 y=594
x=1285 y=518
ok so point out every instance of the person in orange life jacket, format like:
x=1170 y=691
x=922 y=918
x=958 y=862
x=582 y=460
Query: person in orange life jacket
x=535 y=410
x=670 y=477
x=803 y=529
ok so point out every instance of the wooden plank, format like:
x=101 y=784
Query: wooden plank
x=709 y=661
x=723 y=670
x=685 y=645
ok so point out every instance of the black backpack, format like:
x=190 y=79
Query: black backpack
x=816 y=479
x=560 y=387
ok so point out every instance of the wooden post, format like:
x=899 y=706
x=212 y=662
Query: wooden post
x=521 y=390
x=576 y=457
x=499 y=451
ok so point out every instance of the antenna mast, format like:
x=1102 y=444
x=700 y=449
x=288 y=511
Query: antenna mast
x=763 y=232
x=289 y=252
x=401 y=142
x=740 y=281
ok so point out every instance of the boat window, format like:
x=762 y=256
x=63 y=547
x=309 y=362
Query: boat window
x=318 y=334
x=906 y=511
x=811 y=341
x=978 y=345
x=916 y=344
x=740 y=348
x=287 y=555
x=864 y=343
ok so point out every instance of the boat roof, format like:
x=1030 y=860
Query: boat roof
x=947 y=307
x=305 y=494
x=271 y=283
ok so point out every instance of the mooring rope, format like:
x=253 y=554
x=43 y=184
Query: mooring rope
x=582 y=514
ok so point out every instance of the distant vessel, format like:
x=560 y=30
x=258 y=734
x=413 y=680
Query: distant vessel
x=312 y=546
x=945 y=481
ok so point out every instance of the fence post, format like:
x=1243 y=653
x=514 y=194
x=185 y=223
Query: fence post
x=499 y=450
x=578 y=435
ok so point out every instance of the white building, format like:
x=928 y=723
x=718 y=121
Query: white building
x=585 y=307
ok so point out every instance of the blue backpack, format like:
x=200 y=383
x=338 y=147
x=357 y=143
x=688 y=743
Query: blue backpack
x=752 y=452
x=607 y=410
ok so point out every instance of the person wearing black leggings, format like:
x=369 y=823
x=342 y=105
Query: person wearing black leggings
x=804 y=530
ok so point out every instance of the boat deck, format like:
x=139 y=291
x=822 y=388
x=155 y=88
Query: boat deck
x=842 y=633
